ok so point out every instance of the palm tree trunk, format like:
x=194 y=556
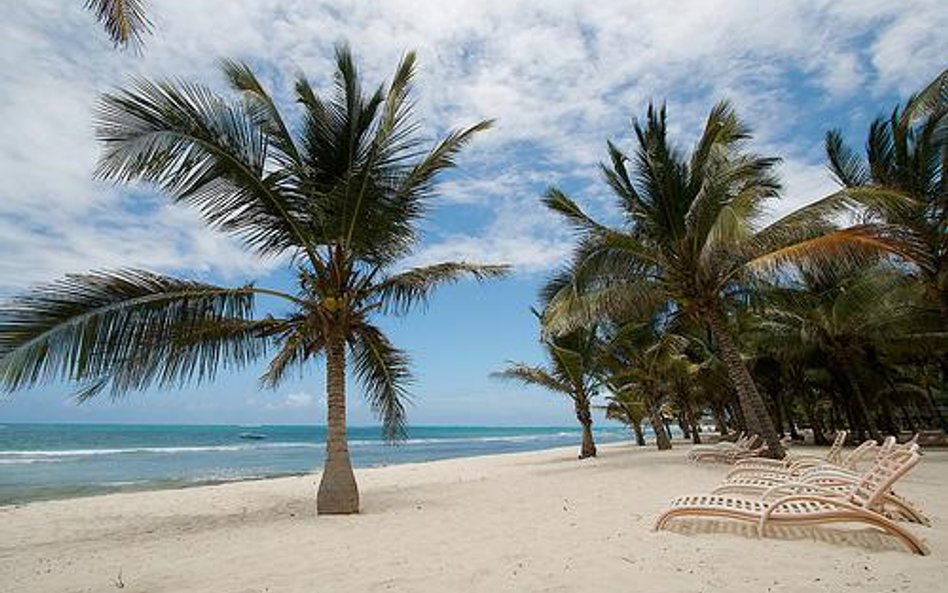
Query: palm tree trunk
x=338 y=493
x=756 y=417
x=717 y=410
x=859 y=397
x=658 y=427
x=588 y=447
x=639 y=433
x=690 y=419
x=809 y=408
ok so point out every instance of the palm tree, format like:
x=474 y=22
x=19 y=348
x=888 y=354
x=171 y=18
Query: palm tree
x=903 y=182
x=845 y=319
x=646 y=362
x=573 y=372
x=629 y=408
x=692 y=237
x=340 y=200
x=124 y=21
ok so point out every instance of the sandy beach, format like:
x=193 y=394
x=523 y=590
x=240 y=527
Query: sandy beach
x=540 y=521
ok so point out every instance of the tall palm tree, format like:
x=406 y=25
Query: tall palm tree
x=693 y=234
x=340 y=200
x=903 y=180
x=573 y=371
x=125 y=21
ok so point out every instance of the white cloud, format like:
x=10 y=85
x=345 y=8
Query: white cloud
x=293 y=401
x=560 y=77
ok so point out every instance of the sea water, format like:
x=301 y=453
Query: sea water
x=48 y=461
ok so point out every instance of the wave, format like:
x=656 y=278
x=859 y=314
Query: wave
x=159 y=450
x=28 y=460
x=521 y=438
x=54 y=455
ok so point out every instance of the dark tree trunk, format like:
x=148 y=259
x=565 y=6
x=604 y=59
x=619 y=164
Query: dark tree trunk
x=690 y=419
x=779 y=410
x=791 y=421
x=683 y=425
x=588 y=447
x=860 y=399
x=752 y=405
x=658 y=427
x=907 y=418
x=809 y=409
x=639 y=433
x=717 y=410
x=338 y=493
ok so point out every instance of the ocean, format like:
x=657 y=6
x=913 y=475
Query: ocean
x=52 y=461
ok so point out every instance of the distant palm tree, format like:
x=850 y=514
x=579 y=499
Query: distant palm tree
x=573 y=372
x=341 y=199
x=124 y=21
x=843 y=318
x=645 y=363
x=629 y=408
x=693 y=236
x=904 y=180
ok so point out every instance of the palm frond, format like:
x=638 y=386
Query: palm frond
x=850 y=247
x=261 y=107
x=127 y=330
x=296 y=349
x=534 y=375
x=384 y=371
x=933 y=99
x=407 y=289
x=205 y=153
x=848 y=167
x=571 y=309
x=125 y=21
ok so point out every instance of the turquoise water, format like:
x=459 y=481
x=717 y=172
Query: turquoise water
x=48 y=461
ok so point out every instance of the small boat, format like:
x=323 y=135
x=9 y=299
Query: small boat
x=252 y=436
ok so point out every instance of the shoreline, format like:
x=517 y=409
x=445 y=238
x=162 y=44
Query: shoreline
x=533 y=521
x=105 y=460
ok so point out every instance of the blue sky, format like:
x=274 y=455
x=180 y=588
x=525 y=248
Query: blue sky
x=560 y=78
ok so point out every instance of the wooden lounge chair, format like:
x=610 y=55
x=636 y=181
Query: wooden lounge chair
x=807 y=508
x=792 y=460
x=741 y=441
x=822 y=479
x=850 y=462
x=746 y=450
x=767 y=485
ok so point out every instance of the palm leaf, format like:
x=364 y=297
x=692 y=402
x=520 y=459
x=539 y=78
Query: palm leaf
x=125 y=21
x=384 y=371
x=402 y=291
x=205 y=153
x=127 y=329
x=534 y=375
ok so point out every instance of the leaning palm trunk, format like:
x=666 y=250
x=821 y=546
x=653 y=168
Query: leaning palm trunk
x=756 y=417
x=639 y=433
x=658 y=427
x=338 y=493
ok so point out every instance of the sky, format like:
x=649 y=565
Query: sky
x=559 y=77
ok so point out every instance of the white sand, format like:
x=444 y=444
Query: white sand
x=526 y=522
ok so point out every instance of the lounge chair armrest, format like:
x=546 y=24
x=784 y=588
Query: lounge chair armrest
x=829 y=500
